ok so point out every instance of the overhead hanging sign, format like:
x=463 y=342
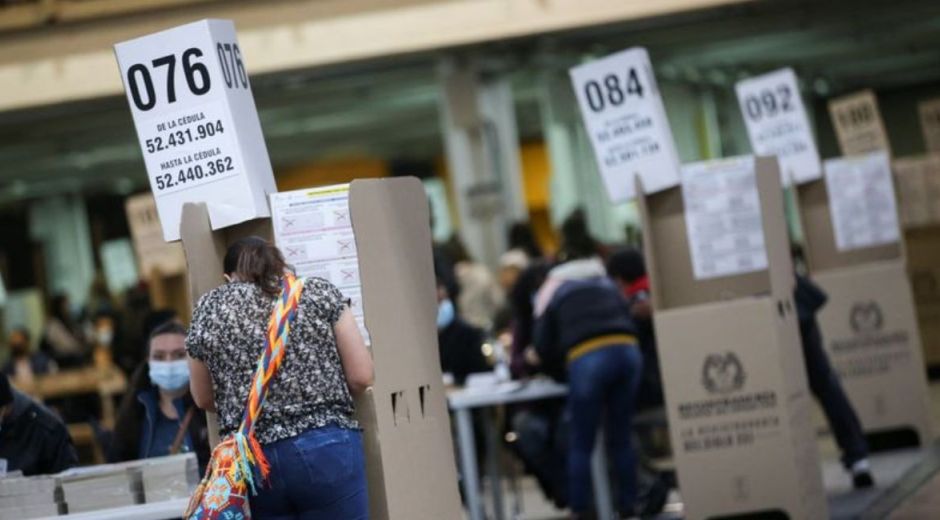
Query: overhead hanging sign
x=777 y=124
x=929 y=112
x=723 y=217
x=624 y=116
x=858 y=124
x=861 y=201
x=197 y=125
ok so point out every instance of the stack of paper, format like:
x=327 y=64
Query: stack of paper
x=101 y=487
x=168 y=478
x=29 y=497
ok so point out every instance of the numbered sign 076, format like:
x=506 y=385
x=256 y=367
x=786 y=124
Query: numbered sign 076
x=181 y=86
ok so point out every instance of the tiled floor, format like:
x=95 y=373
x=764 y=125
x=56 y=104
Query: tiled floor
x=844 y=502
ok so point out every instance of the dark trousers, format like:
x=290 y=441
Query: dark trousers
x=605 y=380
x=826 y=388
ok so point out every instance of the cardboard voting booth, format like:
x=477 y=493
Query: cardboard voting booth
x=735 y=384
x=409 y=456
x=869 y=325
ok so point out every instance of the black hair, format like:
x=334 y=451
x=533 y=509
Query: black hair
x=522 y=237
x=576 y=239
x=170 y=327
x=626 y=264
x=257 y=261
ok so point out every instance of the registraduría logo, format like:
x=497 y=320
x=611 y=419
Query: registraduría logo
x=722 y=373
x=866 y=317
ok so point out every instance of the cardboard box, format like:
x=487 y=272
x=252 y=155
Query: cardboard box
x=869 y=324
x=923 y=262
x=410 y=460
x=735 y=384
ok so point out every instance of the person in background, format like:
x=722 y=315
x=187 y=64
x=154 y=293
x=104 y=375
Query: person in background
x=62 y=339
x=480 y=296
x=158 y=416
x=521 y=238
x=583 y=334
x=825 y=385
x=32 y=439
x=627 y=268
x=307 y=427
x=460 y=344
x=24 y=364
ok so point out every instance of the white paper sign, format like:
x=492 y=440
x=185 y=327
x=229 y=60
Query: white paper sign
x=625 y=119
x=861 y=201
x=120 y=269
x=723 y=217
x=913 y=199
x=858 y=124
x=313 y=230
x=196 y=121
x=154 y=254
x=777 y=124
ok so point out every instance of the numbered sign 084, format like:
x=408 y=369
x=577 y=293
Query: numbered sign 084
x=627 y=124
x=188 y=90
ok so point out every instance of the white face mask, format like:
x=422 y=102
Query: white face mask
x=105 y=337
x=170 y=375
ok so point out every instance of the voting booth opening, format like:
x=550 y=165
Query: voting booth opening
x=410 y=465
x=736 y=389
x=855 y=252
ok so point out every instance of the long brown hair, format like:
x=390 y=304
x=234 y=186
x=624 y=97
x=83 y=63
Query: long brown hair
x=258 y=261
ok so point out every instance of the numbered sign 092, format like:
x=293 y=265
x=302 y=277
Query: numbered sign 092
x=625 y=119
x=777 y=124
x=188 y=91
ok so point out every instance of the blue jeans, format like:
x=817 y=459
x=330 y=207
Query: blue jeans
x=318 y=475
x=605 y=380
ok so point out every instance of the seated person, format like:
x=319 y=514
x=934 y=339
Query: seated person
x=157 y=416
x=24 y=364
x=460 y=344
x=32 y=439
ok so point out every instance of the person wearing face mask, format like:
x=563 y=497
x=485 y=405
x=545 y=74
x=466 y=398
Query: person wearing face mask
x=24 y=364
x=158 y=416
x=460 y=344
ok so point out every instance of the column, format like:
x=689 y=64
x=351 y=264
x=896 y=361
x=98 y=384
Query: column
x=482 y=145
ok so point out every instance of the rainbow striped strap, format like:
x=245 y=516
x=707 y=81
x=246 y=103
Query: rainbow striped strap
x=251 y=459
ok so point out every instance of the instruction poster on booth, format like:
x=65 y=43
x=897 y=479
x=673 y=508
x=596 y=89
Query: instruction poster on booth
x=777 y=124
x=197 y=124
x=625 y=119
x=313 y=229
x=861 y=201
x=723 y=218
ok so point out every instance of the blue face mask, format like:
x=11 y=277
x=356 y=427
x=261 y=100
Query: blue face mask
x=170 y=375
x=445 y=314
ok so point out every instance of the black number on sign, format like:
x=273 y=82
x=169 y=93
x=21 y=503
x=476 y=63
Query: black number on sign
x=132 y=73
x=226 y=72
x=242 y=75
x=191 y=69
x=614 y=93
x=170 y=63
x=634 y=87
x=752 y=107
x=232 y=66
x=785 y=96
x=595 y=97
x=769 y=101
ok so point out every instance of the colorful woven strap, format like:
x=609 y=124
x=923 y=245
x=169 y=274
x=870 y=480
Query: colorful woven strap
x=251 y=459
